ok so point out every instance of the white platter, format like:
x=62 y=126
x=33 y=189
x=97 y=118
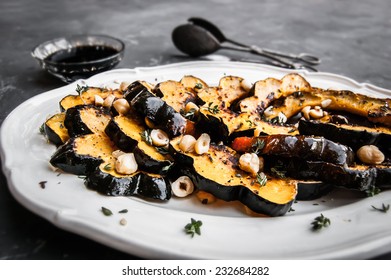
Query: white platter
x=156 y=230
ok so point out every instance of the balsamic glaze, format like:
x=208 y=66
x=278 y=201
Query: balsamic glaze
x=81 y=54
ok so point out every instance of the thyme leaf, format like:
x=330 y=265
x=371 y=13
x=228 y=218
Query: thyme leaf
x=81 y=89
x=320 y=222
x=107 y=167
x=42 y=129
x=384 y=208
x=123 y=211
x=194 y=227
x=106 y=211
x=258 y=146
x=372 y=191
x=146 y=136
x=262 y=179
x=198 y=86
x=214 y=110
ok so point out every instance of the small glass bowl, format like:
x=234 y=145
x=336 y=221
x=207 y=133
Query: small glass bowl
x=72 y=71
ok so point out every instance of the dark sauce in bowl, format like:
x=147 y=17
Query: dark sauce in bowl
x=81 y=54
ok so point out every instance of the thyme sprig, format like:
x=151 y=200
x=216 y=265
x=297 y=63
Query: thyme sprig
x=320 y=222
x=384 y=208
x=258 y=146
x=146 y=136
x=81 y=89
x=372 y=191
x=214 y=110
x=106 y=211
x=194 y=227
x=262 y=179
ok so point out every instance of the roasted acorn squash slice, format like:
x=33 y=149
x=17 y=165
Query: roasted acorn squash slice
x=217 y=172
x=298 y=146
x=55 y=130
x=352 y=135
x=126 y=133
x=86 y=119
x=147 y=105
x=375 y=109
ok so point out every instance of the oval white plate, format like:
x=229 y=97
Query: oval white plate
x=156 y=230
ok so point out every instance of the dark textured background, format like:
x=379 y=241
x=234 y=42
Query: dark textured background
x=353 y=38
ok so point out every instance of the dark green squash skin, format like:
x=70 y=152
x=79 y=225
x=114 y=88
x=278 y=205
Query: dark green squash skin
x=337 y=175
x=217 y=130
x=146 y=104
x=352 y=138
x=120 y=139
x=310 y=190
x=67 y=160
x=74 y=123
x=107 y=184
x=154 y=187
x=307 y=148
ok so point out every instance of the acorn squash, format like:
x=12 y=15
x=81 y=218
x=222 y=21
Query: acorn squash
x=298 y=146
x=148 y=105
x=217 y=172
x=377 y=110
x=352 y=135
x=55 y=130
x=87 y=96
x=86 y=119
x=126 y=133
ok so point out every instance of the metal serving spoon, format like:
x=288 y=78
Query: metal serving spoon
x=207 y=25
x=195 y=41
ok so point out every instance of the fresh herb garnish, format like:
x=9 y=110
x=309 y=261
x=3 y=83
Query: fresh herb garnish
x=42 y=129
x=320 y=222
x=257 y=146
x=123 y=211
x=291 y=210
x=262 y=179
x=107 y=167
x=198 y=86
x=106 y=211
x=81 y=89
x=146 y=136
x=162 y=150
x=250 y=123
x=194 y=227
x=167 y=167
x=190 y=115
x=384 y=208
x=278 y=173
x=372 y=191
x=214 y=110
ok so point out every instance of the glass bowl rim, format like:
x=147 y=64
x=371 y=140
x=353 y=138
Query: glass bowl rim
x=68 y=38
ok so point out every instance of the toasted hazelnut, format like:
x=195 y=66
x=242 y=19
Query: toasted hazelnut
x=121 y=106
x=98 y=100
x=316 y=113
x=268 y=111
x=124 y=86
x=370 y=154
x=126 y=164
x=109 y=101
x=182 y=187
x=159 y=138
x=306 y=112
x=325 y=103
x=249 y=162
x=202 y=144
x=187 y=143
x=246 y=85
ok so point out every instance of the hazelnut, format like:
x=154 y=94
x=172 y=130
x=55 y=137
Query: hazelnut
x=370 y=154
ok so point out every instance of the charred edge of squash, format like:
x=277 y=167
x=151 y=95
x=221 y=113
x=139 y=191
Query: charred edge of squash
x=55 y=130
x=310 y=190
x=125 y=133
x=359 y=177
x=146 y=185
x=146 y=104
x=217 y=173
x=68 y=160
x=175 y=94
x=86 y=119
x=354 y=136
x=305 y=147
